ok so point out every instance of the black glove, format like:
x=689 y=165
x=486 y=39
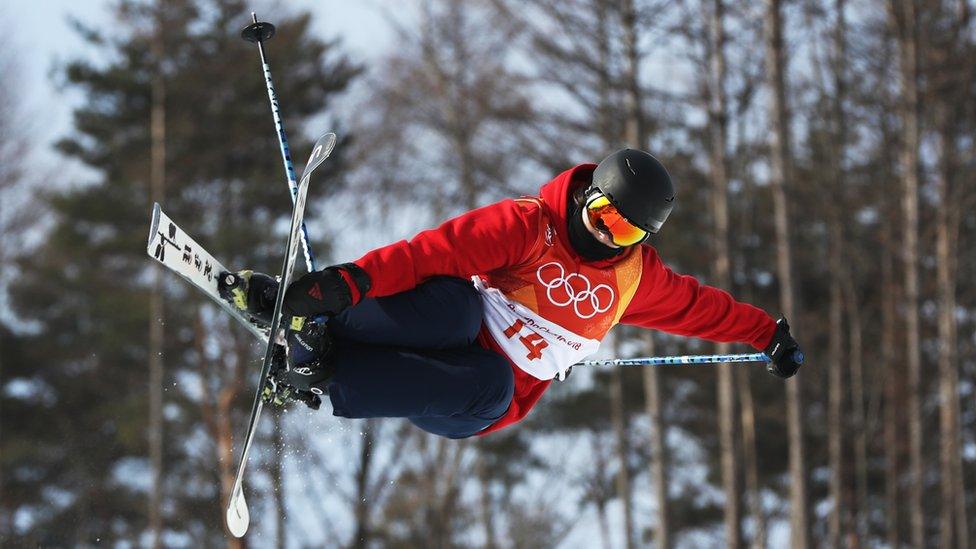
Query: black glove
x=325 y=292
x=309 y=354
x=783 y=351
x=253 y=293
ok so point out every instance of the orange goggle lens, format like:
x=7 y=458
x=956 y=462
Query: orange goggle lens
x=605 y=217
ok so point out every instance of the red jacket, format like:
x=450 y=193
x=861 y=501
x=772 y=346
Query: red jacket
x=520 y=250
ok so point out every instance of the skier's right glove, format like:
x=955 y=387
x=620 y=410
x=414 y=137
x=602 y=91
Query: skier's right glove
x=783 y=351
x=327 y=292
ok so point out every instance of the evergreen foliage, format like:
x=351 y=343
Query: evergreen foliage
x=75 y=461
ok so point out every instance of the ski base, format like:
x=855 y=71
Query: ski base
x=178 y=252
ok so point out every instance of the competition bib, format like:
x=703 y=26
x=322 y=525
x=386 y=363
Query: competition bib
x=541 y=348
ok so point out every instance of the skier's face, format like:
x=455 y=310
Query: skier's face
x=608 y=226
x=601 y=236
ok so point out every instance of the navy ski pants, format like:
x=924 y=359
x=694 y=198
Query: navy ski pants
x=415 y=355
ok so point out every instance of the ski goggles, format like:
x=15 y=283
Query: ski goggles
x=604 y=217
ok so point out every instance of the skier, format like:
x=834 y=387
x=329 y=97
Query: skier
x=462 y=328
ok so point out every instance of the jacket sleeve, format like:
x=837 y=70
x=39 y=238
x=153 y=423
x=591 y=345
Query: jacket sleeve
x=477 y=242
x=681 y=305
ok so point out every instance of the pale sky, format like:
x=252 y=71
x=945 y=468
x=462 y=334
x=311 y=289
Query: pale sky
x=42 y=39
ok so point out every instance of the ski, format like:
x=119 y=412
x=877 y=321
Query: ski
x=178 y=252
x=237 y=515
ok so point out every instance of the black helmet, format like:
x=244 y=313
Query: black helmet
x=638 y=186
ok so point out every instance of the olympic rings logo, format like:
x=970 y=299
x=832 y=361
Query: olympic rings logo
x=562 y=293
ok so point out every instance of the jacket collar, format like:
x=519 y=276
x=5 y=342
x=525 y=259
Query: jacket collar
x=555 y=194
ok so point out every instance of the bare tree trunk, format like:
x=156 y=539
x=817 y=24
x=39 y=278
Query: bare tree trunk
x=601 y=513
x=361 y=532
x=636 y=126
x=903 y=16
x=966 y=202
x=749 y=457
x=848 y=301
x=891 y=392
x=746 y=401
x=891 y=374
x=835 y=254
x=729 y=461
x=216 y=415
x=600 y=498
x=157 y=184
x=440 y=487
x=461 y=130
x=962 y=519
x=618 y=417
x=717 y=122
x=780 y=164
x=278 y=481
x=487 y=508
x=225 y=452
x=438 y=535
x=949 y=423
x=658 y=463
x=858 y=425
x=605 y=84
x=835 y=397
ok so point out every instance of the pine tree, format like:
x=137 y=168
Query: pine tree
x=89 y=293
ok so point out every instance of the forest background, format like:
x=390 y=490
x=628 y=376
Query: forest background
x=824 y=157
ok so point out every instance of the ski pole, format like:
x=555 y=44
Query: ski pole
x=257 y=33
x=688 y=359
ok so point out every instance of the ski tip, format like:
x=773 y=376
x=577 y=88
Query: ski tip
x=238 y=517
x=328 y=141
x=154 y=224
x=320 y=151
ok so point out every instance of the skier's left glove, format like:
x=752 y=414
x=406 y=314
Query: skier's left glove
x=784 y=352
x=327 y=292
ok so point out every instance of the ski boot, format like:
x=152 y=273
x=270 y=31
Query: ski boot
x=304 y=371
x=278 y=389
x=310 y=348
x=252 y=293
x=301 y=372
